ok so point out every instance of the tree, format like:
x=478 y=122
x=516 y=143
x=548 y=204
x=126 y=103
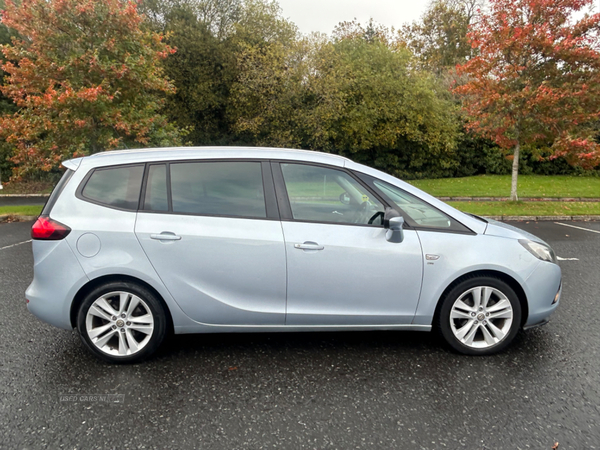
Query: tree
x=356 y=95
x=210 y=36
x=203 y=70
x=536 y=78
x=439 y=39
x=6 y=34
x=6 y=105
x=85 y=78
x=219 y=16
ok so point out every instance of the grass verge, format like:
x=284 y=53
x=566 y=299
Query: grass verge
x=479 y=208
x=32 y=187
x=529 y=208
x=28 y=210
x=499 y=186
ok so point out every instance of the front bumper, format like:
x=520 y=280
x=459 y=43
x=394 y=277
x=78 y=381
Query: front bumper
x=543 y=289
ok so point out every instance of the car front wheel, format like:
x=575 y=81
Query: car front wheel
x=480 y=316
x=121 y=322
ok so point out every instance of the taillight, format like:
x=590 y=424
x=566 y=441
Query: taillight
x=47 y=229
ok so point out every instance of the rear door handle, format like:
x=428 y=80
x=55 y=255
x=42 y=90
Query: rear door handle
x=309 y=246
x=165 y=236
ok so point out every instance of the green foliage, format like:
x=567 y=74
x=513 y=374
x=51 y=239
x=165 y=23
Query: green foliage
x=6 y=105
x=261 y=22
x=355 y=96
x=209 y=36
x=439 y=39
x=220 y=16
x=6 y=165
x=202 y=70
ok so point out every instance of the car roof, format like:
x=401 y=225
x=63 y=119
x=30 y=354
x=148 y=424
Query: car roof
x=116 y=157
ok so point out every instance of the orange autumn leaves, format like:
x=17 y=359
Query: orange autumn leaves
x=535 y=77
x=86 y=77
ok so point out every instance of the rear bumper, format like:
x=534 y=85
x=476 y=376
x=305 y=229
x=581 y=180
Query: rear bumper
x=57 y=276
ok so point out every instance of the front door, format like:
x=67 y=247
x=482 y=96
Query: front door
x=341 y=268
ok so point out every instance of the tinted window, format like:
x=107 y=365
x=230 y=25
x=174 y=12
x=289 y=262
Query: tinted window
x=422 y=214
x=218 y=188
x=117 y=186
x=328 y=195
x=57 y=191
x=156 y=189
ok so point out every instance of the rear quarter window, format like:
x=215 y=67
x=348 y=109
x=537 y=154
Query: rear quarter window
x=117 y=187
x=56 y=192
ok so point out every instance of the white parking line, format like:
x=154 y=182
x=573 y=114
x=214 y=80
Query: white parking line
x=567 y=259
x=579 y=228
x=14 y=245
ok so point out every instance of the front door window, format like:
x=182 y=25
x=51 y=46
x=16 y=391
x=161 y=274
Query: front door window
x=319 y=194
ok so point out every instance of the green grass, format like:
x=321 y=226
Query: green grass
x=28 y=210
x=499 y=186
x=529 y=208
x=33 y=187
x=479 y=208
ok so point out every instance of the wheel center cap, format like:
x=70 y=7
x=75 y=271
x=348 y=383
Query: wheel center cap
x=120 y=323
x=480 y=316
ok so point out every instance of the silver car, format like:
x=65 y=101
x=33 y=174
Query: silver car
x=135 y=244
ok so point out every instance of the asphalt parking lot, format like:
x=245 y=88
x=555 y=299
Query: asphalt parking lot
x=389 y=390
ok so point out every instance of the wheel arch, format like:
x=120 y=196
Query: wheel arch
x=93 y=284
x=514 y=284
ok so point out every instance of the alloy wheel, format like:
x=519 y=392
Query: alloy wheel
x=119 y=323
x=481 y=317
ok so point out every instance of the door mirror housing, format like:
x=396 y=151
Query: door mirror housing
x=394 y=223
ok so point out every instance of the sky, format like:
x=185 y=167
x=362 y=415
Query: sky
x=324 y=15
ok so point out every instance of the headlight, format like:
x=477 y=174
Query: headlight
x=540 y=251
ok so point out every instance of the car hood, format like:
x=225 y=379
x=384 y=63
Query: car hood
x=501 y=229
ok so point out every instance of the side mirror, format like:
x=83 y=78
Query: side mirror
x=345 y=198
x=394 y=223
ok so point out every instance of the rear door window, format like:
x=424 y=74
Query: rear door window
x=118 y=187
x=218 y=188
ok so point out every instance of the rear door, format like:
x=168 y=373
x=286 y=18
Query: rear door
x=211 y=229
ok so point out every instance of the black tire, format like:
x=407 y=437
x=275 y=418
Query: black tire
x=149 y=304
x=467 y=289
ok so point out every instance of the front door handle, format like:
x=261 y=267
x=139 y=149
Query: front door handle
x=165 y=236
x=309 y=246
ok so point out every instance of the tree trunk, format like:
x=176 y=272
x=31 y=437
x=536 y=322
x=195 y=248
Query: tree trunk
x=515 y=174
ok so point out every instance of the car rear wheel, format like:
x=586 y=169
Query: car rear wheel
x=480 y=316
x=122 y=322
